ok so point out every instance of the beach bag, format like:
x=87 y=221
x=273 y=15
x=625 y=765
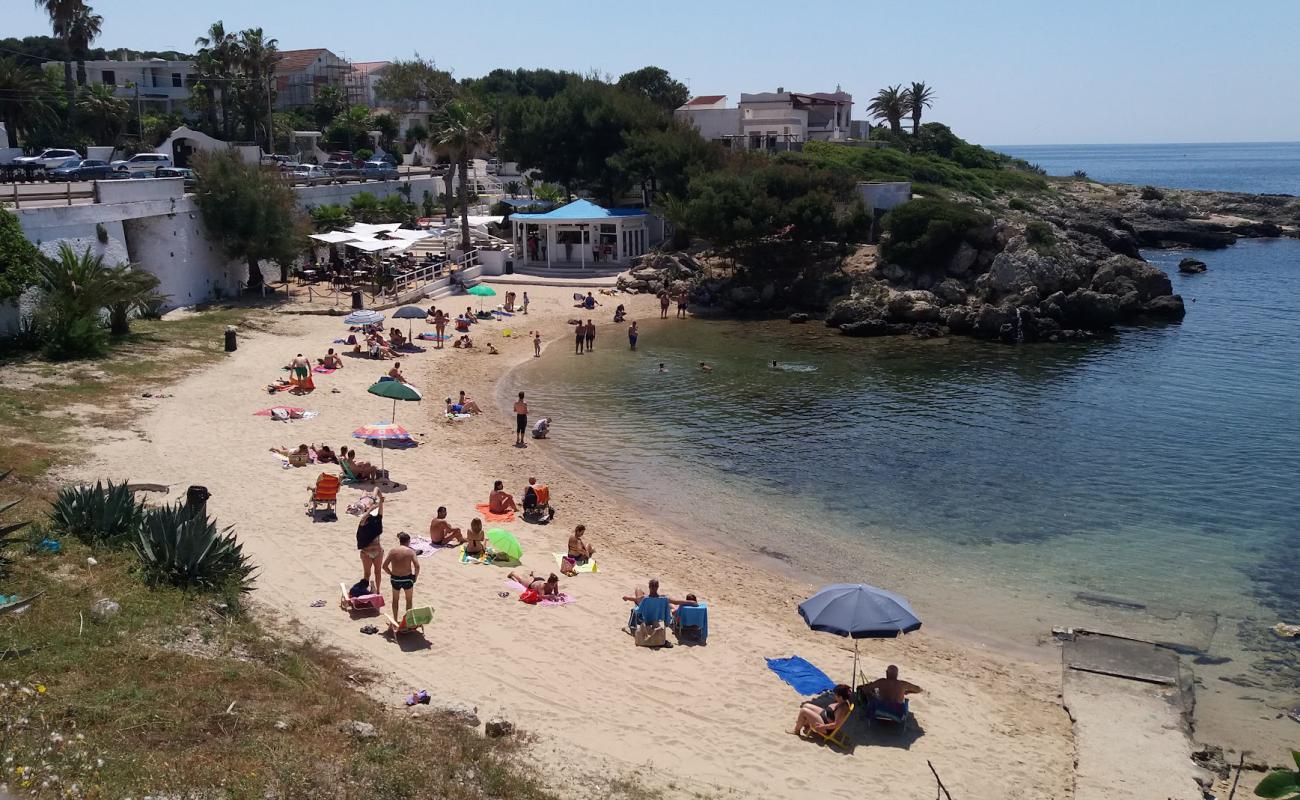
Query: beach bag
x=530 y=597
x=279 y=415
x=297 y=459
x=655 y=635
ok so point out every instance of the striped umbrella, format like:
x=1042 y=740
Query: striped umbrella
x=382 y=432
x=363 y=317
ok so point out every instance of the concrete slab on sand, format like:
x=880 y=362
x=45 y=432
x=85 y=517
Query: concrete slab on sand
x=1131 y=736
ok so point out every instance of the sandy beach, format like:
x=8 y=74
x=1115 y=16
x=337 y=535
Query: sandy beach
x=690 y=719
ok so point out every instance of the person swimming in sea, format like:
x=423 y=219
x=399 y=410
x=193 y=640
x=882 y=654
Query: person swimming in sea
x=662 y=368
x=705 y=367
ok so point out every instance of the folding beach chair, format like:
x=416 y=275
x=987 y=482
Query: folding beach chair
x=836 y=735
x=879 y=713
x=363 y=602
x=648 y=622
x=692 y=622
x=326 y=492
x=412 y=622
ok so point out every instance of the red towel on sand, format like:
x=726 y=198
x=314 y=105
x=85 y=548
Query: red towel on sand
x=509 y=516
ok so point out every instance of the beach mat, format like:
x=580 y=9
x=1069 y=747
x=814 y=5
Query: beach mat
x=482 y=508
x=324 y=370
x=424 y=546
x=433 y=337
x=466 y=558
x=590 y=566
x=803 y=676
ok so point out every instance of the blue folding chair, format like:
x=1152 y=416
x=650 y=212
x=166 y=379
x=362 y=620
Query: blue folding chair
x=696 y=616
x=649 y=611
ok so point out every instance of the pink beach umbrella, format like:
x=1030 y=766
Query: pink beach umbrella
x=382 y=432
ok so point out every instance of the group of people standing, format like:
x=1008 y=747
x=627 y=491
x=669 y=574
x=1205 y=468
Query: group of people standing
x=666 y=299
x=584 y=335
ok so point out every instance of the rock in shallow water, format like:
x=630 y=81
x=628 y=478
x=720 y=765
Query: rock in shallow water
x=1192 y=266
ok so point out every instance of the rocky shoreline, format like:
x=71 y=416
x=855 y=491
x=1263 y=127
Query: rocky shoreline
x=1065 y=265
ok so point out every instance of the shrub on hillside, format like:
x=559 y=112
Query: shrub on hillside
x=1152 y=193
x=923 y=235
x=182 y=547
x=8 y=532
x=1039 y=235
x=1019 y=204
x=97 y=515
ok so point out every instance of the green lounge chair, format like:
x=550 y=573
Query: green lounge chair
x=412 y=622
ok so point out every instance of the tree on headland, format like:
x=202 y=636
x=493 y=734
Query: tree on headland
x=407 y=84
x=83 y=30
x=250 y=211
x=216 y=60
x=889 y=104
x=657 y=86
x=26 y=99
x=463 y=130
x=62 y=14
x=918 y=97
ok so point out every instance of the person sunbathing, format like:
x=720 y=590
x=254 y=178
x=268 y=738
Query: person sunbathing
x=324 y=455
x=454 y=408
x=580 y=551
x=331 y=360
x=397 y=337
x=464 y=342
x=302 y=451
x=364 y=470
x=378 y=347
x=475 y=542
x=888 y=693
x=813 y=718
x=396 y=372
x=441 y=532
x=536 y=588
x=501 y=501
x=468 y=405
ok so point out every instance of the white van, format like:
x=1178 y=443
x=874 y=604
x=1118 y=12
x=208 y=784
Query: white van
x=142 y=164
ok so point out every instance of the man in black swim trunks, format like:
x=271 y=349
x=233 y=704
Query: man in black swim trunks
x=521 y=419
x=403 y=568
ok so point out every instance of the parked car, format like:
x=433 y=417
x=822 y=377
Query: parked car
x=80 y=170
x=378 y=170
x=191 y=180
x=143 y=164
x=310 y=174
x=48 y=158
x=338 y=168
x=493 y=166
x=285 y=163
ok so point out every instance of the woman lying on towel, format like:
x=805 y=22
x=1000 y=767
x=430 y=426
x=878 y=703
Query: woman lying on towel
x=813 y=718
x=536 y=589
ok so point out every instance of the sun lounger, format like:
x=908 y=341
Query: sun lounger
x=836 y=735
x=413 y=621
x=365 y=602
x=348 y=475
x=326 y=491
x=694 y=620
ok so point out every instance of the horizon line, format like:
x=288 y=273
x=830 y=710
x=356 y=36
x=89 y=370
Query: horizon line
x=1136 y=144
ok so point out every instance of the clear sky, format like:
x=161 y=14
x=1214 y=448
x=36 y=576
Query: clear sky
x=1005 y=72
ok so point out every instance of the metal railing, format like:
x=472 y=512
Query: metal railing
x=426 y=273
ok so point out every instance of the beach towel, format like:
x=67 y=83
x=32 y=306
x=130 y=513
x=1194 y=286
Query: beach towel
x=424 y=546
x=466 y=558
x=433 y=337
x=590 y=566
x=341 y=341
x=324 y=370
x=563 y=600
x=509 y=516
x=503 y=313
x=804 y=677
x=458 y=417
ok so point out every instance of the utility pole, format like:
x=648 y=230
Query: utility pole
x=270 y=120
x=139 y=117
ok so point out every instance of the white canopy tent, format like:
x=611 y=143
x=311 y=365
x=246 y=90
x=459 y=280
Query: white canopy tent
x=376 y=245
x=368 y=229
x=334 y=237
x=410 y=236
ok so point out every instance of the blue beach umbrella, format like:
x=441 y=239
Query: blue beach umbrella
x=859 y=611
x=409 y=313
x=363 y=317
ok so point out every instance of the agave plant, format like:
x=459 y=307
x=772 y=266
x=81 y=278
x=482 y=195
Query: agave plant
x=8 y=531
x=181 y=546
x=97 y=515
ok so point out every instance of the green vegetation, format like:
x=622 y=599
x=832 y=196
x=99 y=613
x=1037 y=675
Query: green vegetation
x=1152 y=193
x=1281 y=784
x=1019 y=204
x=1040 y=237
x=925 y=234
x=462 y=130
x=918 y=97
x=97 y=516
x=657 y=86
x=8 y=530
x=890 y=104
x=18 y=257
x=331 y=217
x=250 y=211
x=180 y=546
x=28 y=98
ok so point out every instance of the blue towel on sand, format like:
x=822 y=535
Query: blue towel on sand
x=804 y=677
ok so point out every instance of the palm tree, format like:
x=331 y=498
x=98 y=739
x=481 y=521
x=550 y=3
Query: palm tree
x=101 y=112
x=130 y=289
x=258 y=56
x=890 y=105
x=25 y=98
x=462 y=129
x=84 y=29
x=917 y=97
x=330 y=217
x=61 y=14
x=220 y=49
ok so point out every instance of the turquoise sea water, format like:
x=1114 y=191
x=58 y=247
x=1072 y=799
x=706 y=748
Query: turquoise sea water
x=1005 y=489
x=1260 y=167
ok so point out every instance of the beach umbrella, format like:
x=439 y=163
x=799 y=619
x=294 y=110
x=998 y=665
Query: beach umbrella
x=858 y=611
x=480 y=291
x=395 y=390
x=364 y=317
x=382 y=432
x=505 y=543
x=409 y=313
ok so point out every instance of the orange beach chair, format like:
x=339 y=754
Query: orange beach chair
x=326 y=492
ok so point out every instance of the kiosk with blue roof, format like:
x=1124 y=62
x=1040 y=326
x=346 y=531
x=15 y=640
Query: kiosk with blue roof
x=581 y=234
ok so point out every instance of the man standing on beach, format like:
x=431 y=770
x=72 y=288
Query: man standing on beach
x=590 y=334
x=632 y=334
x=301 y=369
x=579 y=337
x=403 y=568
x=521 y=420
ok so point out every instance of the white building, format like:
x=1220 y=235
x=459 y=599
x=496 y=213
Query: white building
x=772 y=120
x=162 y=85
x=300 y=74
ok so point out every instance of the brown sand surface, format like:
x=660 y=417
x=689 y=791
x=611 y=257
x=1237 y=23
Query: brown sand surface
x=689 y=718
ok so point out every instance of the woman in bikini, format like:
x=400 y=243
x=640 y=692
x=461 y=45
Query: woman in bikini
x=474 y=543
x=369 y=547
x=813 y=718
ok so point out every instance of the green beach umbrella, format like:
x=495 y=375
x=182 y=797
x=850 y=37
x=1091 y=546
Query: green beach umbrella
x=505 y=543
x=480 y=291
x=396 y=390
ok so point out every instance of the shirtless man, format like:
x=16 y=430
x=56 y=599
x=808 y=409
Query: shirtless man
x=888 y=692
x=501 y=501
x=396 y=372
x=705 y=367
x=521 y=422
x=371 y=550
x=475 y=543
x=467 y=404
x=682 y=299
x=331 y=360
x=301 y=369
x=441 y=532
x=403 y=568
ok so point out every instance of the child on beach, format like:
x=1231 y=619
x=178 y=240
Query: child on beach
x=537 y=336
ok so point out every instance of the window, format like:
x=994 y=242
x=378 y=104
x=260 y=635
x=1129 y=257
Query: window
x=176 y=80
x=108 y=77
